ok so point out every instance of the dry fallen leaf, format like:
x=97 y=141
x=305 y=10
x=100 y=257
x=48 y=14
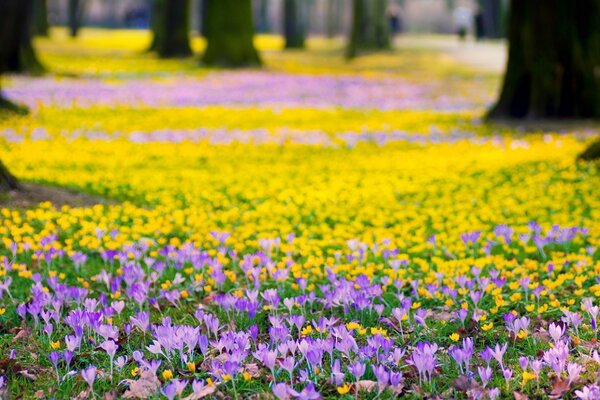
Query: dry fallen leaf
x=84 y=395
x=146 y=386
x=559 y=388
x=112 y=395
x=520 y=396
x=22 y=334
x=369 y=386
x=206 y=391
x=252 y=370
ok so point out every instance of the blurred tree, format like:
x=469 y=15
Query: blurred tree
x=263 y=16
x=592 y=152
x=75 y=11
x=13 y=23
x=293 y=24
x=40 y=18
x=553 y=61
x=230 y=33
x=333 y=15
x=370 y=28
x=170 y=23
x=7 y=180
x=18 y=54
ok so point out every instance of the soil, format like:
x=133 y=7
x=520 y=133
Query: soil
x=30 y=194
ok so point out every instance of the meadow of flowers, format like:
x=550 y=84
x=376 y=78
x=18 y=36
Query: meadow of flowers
x=282 y=236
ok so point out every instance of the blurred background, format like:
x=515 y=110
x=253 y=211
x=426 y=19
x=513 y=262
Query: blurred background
x=322 y=17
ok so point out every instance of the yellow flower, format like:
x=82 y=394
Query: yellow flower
x=343 y=389
x=55 y=345
x=455 y=337
x=487 y=327
x=527 y=376
x=353 y=325
x=522 y=334
x=530 y=307
x=246 y=376
x=135 y=371
x=191 y=366
x=226 y=377
x=167 y=374
x=2 y=311
x=307 y=330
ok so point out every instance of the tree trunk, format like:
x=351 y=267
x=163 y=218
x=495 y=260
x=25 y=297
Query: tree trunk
x=263 y=16
x=492 y=18
x=293 y=24
x=553 y=61
x=40 y=18
x=75 y=14
x=331 y=18
x=230 y=33
x=591 y=153
x=171 y=27
x=7 y=181
x=17 y=54
x=370 y=29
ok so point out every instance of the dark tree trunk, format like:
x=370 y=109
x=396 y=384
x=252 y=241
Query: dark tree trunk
x=17 y=54
x=591 y=153
x=40 y=18
x=204 y=16
x=7 y=181
x=331 y=18
x=370 y=29
x=171 y=27
x=553 y=61
x=230 y=33
x=75 y=15
x=263 y=16
x=492 y=18
x=293 y=24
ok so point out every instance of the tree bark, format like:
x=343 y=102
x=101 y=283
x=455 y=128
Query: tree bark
x=294 y=27
x=170 y=24
x=553 y=61
x=17 y=53
x=75 y=11
x=370 y=29
x=230 y=33
x=591 y=153
x=40 y=18
x=7 y=181
x=263 y=16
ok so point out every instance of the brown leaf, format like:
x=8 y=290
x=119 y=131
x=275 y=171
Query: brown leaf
x=559 y=387
x=520 y=396
x=253 y=370
x=369 y=386
x=27 y=374
x=146 y=386
x=206 y=391
x=84 y=395
x=470 y=386
x=22 y=334
x=112 y=395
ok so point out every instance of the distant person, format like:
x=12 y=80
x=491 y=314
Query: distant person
x=395 y=18
x=462 y=19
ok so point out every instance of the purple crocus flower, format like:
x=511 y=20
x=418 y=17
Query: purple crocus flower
x=89 y=375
